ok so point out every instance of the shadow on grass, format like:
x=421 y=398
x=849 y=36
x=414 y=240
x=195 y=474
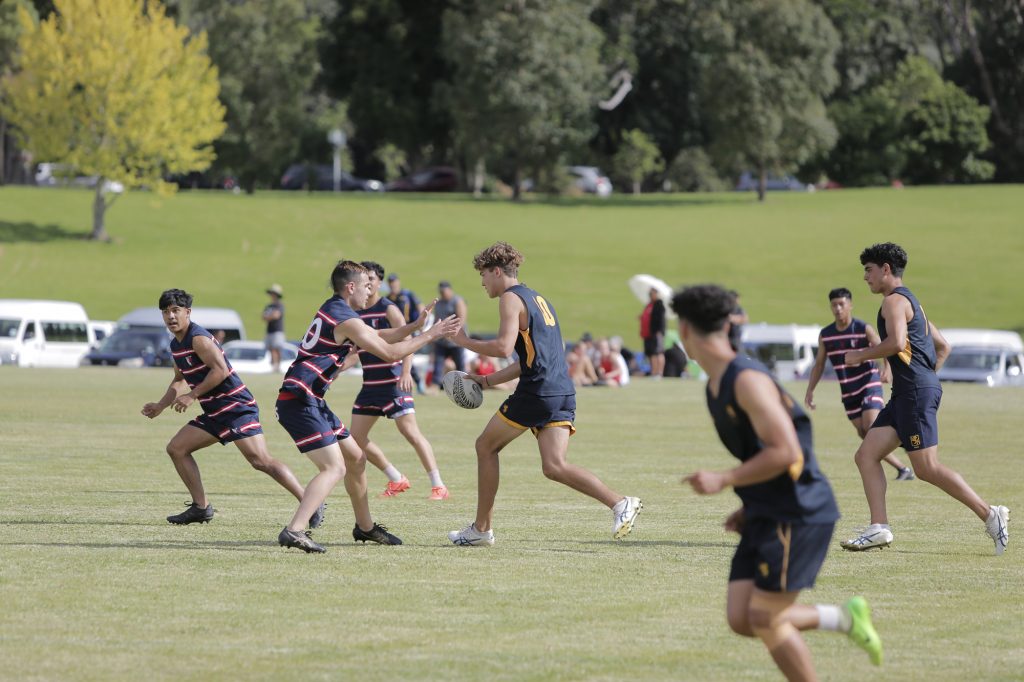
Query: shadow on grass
x=31 y=232
x=231 y=545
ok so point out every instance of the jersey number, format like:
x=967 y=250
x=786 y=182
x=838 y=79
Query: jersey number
x=313 y=335
x=549 y=317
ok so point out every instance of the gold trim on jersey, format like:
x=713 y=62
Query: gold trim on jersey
x=528 y=344
x=784 y=537
x=572 y=429
x=907 y=353
x=797 y=467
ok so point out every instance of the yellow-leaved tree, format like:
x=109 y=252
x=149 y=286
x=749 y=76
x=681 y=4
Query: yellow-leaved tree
x=114 y=89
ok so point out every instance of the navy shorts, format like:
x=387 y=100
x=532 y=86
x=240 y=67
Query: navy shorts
x=231 y=426
x=868 y=399
x=311 y=425
x=376 y=403
x=536 y=412
x=781 y=557
x=914 y=415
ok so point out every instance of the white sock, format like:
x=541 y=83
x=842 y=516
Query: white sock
x=393 y=474
x=435 y=478
x=832 y=618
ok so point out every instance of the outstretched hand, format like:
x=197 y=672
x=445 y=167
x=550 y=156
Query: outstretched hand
x=152 y=410
x=448 y=327
x=705 y=482
x=424 y=315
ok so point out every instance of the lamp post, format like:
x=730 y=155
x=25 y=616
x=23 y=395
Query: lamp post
x=338 y=140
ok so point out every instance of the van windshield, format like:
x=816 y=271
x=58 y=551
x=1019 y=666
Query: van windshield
x=65 y=332
x=769 y=353
x=9 y=328
x=973 y=359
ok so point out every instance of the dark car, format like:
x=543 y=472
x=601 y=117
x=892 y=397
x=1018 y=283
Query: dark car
x=320 y=178
x=132 y=348
x=197 y=180
x=436 y=179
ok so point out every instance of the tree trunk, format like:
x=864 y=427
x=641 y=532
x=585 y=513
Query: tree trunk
x=636 y=187
x=478 y=178
x=762 y=183
x=99 y=208
x=986 y=79
x=3 y=152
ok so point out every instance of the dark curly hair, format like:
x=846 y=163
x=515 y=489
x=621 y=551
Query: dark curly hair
x=706 y=306
x=887 y=253
x=840 y=292
x=178 y=297
x=499 y=255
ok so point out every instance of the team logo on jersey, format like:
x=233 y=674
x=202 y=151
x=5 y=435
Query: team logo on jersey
x=763 y=567
x=915 y=441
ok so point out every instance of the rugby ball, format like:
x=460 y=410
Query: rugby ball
x=462 y=390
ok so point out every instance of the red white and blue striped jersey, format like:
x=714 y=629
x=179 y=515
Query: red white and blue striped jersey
x=230 y=394
x=320 y=356
x=853 y=381
x=378 y=372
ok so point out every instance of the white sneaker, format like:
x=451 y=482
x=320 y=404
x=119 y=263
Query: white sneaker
x=471 y=537
x=875 y=535
x=624 y=516
x=998 y=527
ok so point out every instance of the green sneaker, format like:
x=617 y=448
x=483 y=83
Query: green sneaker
x=862 y=632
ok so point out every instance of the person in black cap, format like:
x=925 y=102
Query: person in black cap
x=273 y=315
x=448 y=303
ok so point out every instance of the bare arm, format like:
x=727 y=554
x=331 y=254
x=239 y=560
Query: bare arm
x=508 y=373
x=757 y=394
x=178 y=385
x=368 y=338
x=210 y=354
x=511 y=311
x=400 y=328
x=896 y=310
x=883 y=364
x=816 y=371
x=942 y=346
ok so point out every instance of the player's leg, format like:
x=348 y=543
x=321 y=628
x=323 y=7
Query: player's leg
x=554 y=444
x=867 y=418
x=878 y=442
x=929 y=469
x=769 y=620
x=360 y=430
x=331 y=469
x=254 y=449
x=365 y=529
x=189 y=439
x=498 y=433
x=410 y=430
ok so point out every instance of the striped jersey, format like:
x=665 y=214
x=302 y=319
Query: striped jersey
x=320 y=356
x=227 y=396
x=913 y=366
x=377 y=372
x=540 y=348
x=800 y=494
x=853 y=380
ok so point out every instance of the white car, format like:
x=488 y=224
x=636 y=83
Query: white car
x=252 y=357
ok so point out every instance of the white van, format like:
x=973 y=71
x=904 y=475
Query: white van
x=986 y=356
x=211 y=319
x=786 y=349
x=43 y=333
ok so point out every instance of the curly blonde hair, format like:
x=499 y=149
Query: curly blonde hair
x=499 y=255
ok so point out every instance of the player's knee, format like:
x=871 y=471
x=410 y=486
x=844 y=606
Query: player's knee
x=771 y=628
x=553 y=470
x=484 y=448
x=176 y=451
x=262 y=464
x=739 y=622
x=926 y=471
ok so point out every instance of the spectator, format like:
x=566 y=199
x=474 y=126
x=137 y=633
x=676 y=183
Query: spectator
x=448 y=303
x=612 y=367
x=652 y=331
x=675 y=356
x=581 y=369
x=273 y=315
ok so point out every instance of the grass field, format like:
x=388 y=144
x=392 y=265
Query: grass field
x=965 y=243
x=94 y=585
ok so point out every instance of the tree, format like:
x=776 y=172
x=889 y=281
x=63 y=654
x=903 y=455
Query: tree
x=10 y=30
x=764 y=97
x=637 y=158
x=114 y=89
x=266 y=54
x=526 y=81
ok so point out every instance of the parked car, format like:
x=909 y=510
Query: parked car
x=55 y=174
x=37 y=333
x=321 y=178
x=252 y=357
x=984 y=356
x=132 y=348
x=786 y=349
x=749 y=182
x=197 y=180
x=436 y=179
x=101 y=329
x=211 y=319
x=590 y=180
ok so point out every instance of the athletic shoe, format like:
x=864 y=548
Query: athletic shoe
x=905 y=474
x=471 y=537
x=299 y=540
x=438 y=492
x=395 y=487
x=378 y=534
x=998 y=527
x=875 y=535
x=317 y=519
x=624 y=516
x=862 y=632
x=194 y=514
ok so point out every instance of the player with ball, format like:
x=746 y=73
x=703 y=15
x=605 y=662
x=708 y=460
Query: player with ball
x=544 y=400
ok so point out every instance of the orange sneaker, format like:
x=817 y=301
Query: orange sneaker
x=438 y=492
x=395 y=487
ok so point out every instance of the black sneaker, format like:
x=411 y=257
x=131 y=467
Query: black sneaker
x=317 y=519
x=194 y=514
x=299 y=540
x=378 y=534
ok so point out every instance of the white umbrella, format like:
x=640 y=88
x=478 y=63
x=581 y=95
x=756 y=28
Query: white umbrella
x=641 y=286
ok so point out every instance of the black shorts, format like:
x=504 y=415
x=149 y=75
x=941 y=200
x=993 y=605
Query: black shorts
x=538 y=412
x=914 y=416
x=654 y=345
x=311 y=425
x=230 y=426
x=781 y=557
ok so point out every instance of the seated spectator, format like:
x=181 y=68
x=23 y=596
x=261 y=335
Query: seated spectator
x=612 y=367
x=581 y=369
x=619 y=354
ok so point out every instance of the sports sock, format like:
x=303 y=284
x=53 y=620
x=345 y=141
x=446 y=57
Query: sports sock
x=393 y=474
x=833 y=618
x=435 y=478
